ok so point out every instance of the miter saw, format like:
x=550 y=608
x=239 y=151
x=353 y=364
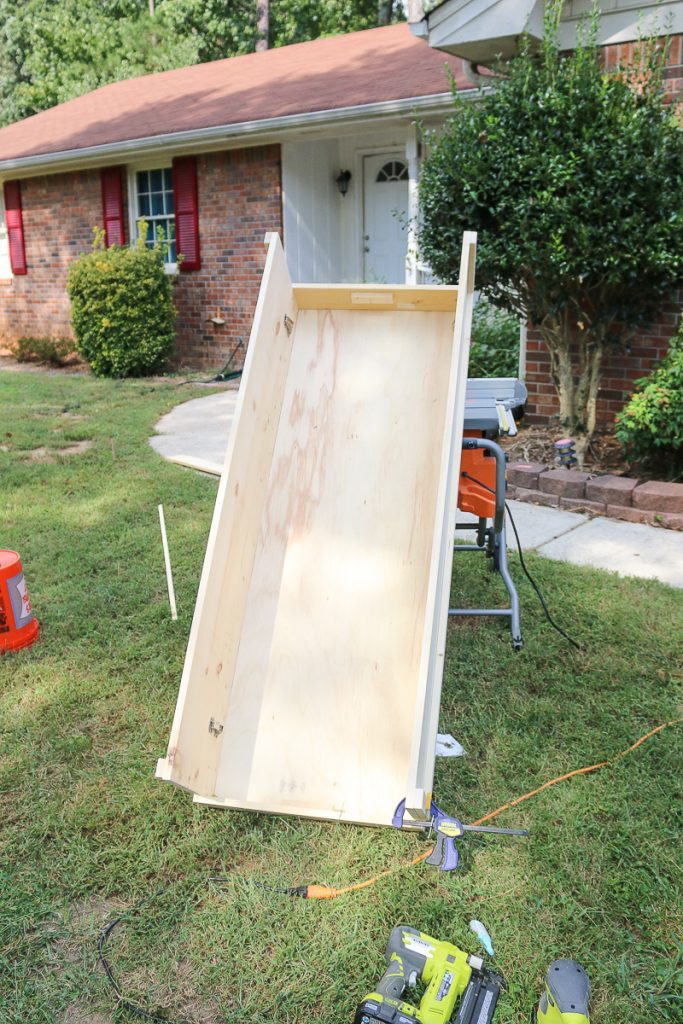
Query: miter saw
x=451 y=976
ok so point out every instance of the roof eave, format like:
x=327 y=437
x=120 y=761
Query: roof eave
x=227 y=136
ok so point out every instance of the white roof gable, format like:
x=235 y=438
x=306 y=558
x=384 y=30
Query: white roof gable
x=481 y=30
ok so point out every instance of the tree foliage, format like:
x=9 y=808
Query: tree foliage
x=494 y=349
x=573 y=179
x=54 y=50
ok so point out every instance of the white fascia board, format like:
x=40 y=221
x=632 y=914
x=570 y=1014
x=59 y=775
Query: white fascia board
x=472 y=27
x=472 y=19
x=475 y=29
x=629 y=23
x=246 y=133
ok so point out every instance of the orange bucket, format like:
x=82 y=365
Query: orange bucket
x=18 y=624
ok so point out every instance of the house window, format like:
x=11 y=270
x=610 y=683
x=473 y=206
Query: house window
x=154 y=202
x=393 y=170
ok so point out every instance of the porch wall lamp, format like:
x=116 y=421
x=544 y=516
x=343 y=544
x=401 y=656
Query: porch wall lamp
x=342 y=181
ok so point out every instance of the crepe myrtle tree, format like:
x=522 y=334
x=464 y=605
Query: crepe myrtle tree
x=573 y=179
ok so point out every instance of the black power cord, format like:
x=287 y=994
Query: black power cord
x=220 y=378
x=105 y=934
x=126 y=1004
x=223 y=375
x=522 y=563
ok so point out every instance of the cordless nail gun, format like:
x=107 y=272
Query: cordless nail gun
x=565 y=999
x=449 y=974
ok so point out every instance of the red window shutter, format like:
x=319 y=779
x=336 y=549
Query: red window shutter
x=15 y=227
x=186 y=207
x=112 y=206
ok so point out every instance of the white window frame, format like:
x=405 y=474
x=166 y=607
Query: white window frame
x=159 y=164
x=5 y=262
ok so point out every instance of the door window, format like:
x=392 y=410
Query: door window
x=393 y=170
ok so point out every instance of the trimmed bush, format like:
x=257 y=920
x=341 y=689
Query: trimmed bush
x=495 y=342
x=651 y=425
x=55 y=351
x=122 y=309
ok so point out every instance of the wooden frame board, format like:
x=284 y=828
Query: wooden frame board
x=312 y=679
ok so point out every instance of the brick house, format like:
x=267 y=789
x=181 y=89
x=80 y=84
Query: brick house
x=478 y=33
x=220 y=153
x=215 y=155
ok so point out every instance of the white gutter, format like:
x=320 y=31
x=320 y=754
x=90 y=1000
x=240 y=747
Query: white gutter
x=198 y=139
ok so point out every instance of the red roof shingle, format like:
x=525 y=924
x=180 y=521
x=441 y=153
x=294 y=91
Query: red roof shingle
x=378 y=65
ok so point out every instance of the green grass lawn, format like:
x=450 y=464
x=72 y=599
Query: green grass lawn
x=87 y=830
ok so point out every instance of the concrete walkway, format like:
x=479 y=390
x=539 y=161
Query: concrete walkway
x=199 y=430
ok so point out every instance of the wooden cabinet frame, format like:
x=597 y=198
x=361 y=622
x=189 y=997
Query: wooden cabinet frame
x=313 y=672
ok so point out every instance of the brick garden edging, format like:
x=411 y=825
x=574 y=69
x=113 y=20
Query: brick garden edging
x=620 y=497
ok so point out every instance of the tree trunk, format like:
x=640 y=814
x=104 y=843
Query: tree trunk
x=591 y=350
x=577 y=386
x=153 y=37
x=561 y=369
x=262 y=25
x=385 y=9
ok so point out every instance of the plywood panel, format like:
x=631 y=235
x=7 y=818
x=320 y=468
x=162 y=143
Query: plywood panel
x=376 y=297
x=313 y=673
x=334 y=618
x=195 y=741
x=421 y=772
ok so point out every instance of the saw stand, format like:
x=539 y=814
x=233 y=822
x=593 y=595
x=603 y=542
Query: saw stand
x=490 y=405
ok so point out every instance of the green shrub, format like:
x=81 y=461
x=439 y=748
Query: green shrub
x=122 y=308
x=573 y=179
x=651 y=425
x=55 y=351
x=495 y=342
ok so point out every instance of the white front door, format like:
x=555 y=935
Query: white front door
x=385 y=218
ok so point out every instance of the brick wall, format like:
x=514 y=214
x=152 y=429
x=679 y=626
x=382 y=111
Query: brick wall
x=239 y=200
x=620 y=368
x=59 y=213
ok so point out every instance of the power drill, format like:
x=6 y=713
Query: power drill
x=565 y=999
x=448 y=973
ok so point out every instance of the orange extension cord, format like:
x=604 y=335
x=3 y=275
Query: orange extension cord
x=324 y=892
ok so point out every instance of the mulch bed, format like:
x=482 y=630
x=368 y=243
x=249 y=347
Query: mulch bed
x=604 y=454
